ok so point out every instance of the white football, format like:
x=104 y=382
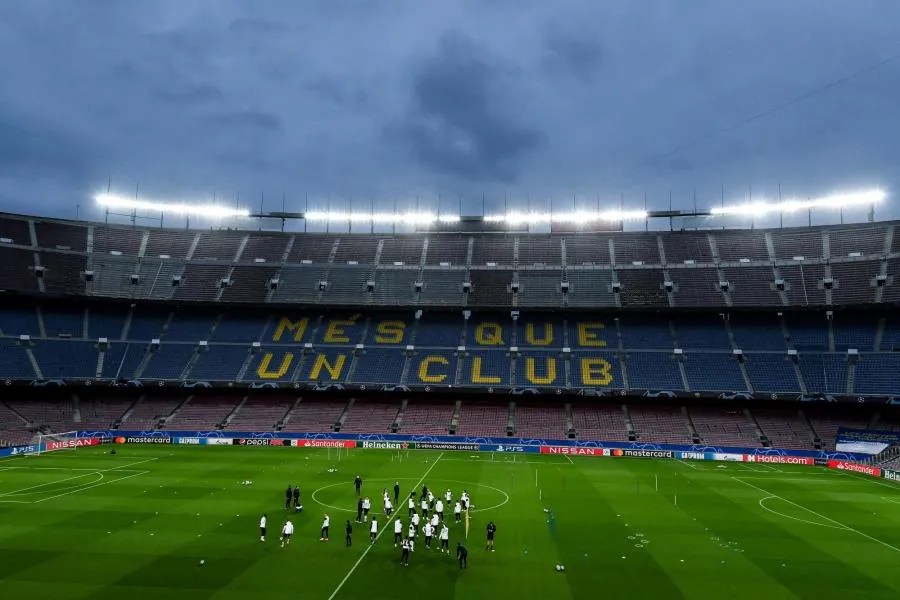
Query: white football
x=202 y=562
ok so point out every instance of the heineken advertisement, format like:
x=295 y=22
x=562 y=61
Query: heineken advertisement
x=892 y=475
x=386 y=445
x=380 y=445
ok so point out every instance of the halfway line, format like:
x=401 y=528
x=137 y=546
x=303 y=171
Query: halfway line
x=383 y=529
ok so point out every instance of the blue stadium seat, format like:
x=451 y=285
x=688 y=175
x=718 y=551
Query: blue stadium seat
x=713 y=372
x=106 y=322
x=379 y=365
x=220 y=362
x=824 y=373
x=877 y=374
x=15 y=363
x=66 y=359
x=701 y=333
x=147 y=323
x=19 y=321
x=757 y=332
x=858 y=332
x=653 y=371
x=808 y=332
x=438 y=330
x=646 y=333
x=64 y=322
x=235 y=327
x=190 y=326
x=168 y=361
x=771 y=372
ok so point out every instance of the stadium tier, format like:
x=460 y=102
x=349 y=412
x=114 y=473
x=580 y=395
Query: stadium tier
x=847 y=265
x=785 y=355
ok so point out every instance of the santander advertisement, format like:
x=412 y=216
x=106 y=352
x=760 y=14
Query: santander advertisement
x=842 y=465
x=779 y=459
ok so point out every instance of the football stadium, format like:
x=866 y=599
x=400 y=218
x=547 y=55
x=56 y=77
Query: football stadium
x=638 y=414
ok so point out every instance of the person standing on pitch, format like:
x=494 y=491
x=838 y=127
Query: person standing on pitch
x=404 y=557
x=491 y=530
x=359 y=510
x=288 y=496
x=348 y=532
x=462 y=555
x=357 y=483
x=396 y=492
x=296 y=496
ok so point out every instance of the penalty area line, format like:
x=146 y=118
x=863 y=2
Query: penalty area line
x=383 y=529
x=820 y=515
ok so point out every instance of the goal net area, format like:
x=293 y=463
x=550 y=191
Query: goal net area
x=54 y=442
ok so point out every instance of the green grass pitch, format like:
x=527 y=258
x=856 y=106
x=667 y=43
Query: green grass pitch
x=87 y=524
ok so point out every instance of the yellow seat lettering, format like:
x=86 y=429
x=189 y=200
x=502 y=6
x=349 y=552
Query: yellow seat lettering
x=549 y=376
x=426 y=375
x=390 y=332
x=532 y=338
x=333 y=369
x=263 y=370
x=489 y=334
x=336 y=332
x=297 y=328
x=589 y=336
x=596 y=371
x=478 y=377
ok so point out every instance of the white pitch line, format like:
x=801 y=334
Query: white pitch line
x=894 y=500
x=820 y=515
x=383 y=529
x=81 y=489
x=40 y=485
x=687 y=464
x=569 y=459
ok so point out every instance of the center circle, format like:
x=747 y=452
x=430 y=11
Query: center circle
x=465 y=484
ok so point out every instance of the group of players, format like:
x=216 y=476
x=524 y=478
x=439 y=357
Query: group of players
x=435 y=526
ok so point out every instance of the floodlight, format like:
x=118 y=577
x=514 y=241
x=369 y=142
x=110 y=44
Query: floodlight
x=761 y=208
x=213 y=211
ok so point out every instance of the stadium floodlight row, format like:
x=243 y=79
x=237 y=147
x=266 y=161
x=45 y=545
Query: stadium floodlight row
x=821 y=266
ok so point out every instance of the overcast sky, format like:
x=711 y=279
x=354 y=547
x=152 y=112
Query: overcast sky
x=394 y=100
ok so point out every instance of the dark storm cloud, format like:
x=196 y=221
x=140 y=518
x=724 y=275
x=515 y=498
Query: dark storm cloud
x=460 y=123
x=35 y=149
x=570 y=50
x=408 y=99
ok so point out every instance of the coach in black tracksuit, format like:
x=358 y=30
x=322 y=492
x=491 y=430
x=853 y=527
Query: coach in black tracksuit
x=396 y=492
x=462 y=555
x=348 y=531
x=359 y=511
x=288 y=496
